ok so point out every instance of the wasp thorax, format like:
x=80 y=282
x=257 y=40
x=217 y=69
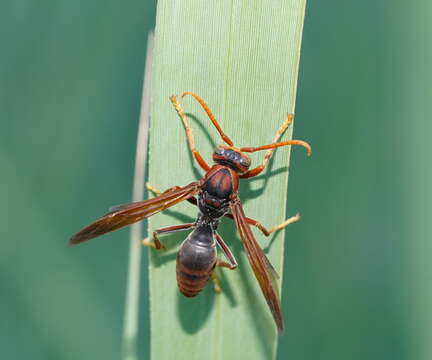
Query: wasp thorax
x=232 y=158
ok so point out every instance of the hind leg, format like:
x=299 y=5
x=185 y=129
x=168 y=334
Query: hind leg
x=232 y=264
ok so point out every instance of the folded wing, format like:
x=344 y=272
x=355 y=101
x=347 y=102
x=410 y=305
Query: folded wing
x=261 y=266
x=127 y=214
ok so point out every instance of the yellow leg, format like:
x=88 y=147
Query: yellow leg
x=189 y=134
x=216 y=283
x=152 y=189
x=267 y=232
x=269 y=153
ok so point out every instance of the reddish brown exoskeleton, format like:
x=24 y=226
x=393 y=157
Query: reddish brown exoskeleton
x=216 y=196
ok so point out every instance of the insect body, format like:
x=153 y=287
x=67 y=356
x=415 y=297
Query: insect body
x=196 y=260
x=216 y=196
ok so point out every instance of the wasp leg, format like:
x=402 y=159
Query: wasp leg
x=189 y=134
x=216 y=282
x=266 y=231
x=211 y=116
x=250 y=221
x=227 y=252
x=232 y=264
x=155 y=191
x=215 y=278
x=154 y=241
x=269 y=153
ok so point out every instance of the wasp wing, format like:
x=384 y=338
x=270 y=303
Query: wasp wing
x=261 y=266
x=127 y=214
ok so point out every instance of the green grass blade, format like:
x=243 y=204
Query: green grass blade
x=242 y=57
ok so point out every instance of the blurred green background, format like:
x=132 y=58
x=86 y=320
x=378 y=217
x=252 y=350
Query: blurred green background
x=357 y=276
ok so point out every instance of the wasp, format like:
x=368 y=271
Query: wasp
x=216 y=196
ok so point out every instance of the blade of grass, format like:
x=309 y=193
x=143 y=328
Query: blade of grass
x=131 y=317
x=242 y=57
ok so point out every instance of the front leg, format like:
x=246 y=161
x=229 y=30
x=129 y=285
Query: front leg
x=189 y=134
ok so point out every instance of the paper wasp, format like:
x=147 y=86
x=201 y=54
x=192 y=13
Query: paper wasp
x=216 y=196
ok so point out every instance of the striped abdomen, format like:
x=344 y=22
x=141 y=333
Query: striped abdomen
x=196 y=261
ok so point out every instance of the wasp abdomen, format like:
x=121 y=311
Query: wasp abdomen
x=196 y=261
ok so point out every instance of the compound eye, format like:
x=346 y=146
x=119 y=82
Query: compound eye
x=219 y=151
x=245 y=162
x=232 y=155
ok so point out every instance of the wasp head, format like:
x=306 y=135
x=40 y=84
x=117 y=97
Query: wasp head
x=232 y=157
